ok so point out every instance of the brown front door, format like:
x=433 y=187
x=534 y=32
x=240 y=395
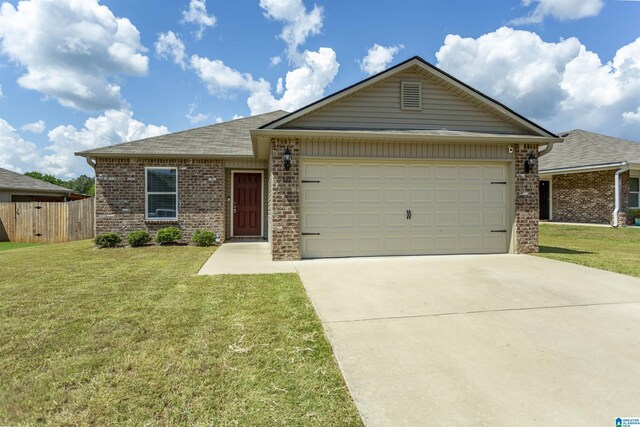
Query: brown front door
x=247 y=204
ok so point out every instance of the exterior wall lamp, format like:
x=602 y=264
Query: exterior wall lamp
x=530 y=163
x=286 y=159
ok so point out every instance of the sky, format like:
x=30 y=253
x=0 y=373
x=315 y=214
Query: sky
x=79 y=74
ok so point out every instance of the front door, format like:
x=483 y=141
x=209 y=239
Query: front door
x=545 y=200
x=247 y=204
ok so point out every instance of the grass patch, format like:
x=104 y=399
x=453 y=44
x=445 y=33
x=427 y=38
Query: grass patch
x=6 y=246
x=605 y=248
x=130 y=336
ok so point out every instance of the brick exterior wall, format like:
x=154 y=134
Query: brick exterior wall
x=284 y=200
x=588 y=197
x=120 y=196
x=527 y=200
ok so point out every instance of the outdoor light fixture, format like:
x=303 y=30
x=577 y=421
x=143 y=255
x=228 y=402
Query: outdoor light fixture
x=530 y=163
x=286 y=159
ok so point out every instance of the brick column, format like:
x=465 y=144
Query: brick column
x=285 y=201
x=527 y=201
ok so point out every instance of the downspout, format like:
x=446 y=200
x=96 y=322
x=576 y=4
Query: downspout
x=546 y=149
x=89 y=162
x=617 y=190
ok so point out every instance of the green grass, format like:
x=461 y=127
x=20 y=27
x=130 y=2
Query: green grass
x=5 y=246
x=132 y=337
x=606 y=248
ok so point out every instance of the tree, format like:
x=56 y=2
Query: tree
x=47 y=178
x=81 y=185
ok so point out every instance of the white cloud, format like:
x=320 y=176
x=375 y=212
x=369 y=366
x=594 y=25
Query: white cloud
x=275 y=60
x=170 y=45
x=562 y=10
x=237 y=116
x=194 y=117
x=632 y=116
x=302 y=85
x=219 y=119
x=35 y=127
x=378 y=58
x=562 y=85
x=197 y=14
x=72 y=50
x=313 y=72
x=15 y=152
x=1 y=94
x=298 y=22
x=112 y=127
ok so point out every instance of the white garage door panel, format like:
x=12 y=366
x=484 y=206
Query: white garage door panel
x=359 y=208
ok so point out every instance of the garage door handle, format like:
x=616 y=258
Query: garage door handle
x=310 y=234
x=498 y=231
x=408 y=214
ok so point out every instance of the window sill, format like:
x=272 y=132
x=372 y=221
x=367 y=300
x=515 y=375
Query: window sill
x=167 y=220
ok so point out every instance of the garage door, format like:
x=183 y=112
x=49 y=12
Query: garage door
x=361 y=208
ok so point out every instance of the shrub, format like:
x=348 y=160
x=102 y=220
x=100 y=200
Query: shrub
x=168 y=235
x=139 y=238
x=634 y=213
x=204 y=238
x=107 y=240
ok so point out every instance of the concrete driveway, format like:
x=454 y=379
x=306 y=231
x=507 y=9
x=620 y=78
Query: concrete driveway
x=481 y=340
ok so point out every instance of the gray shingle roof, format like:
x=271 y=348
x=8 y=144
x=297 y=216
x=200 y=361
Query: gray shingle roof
x=582 y=148
x=10 y=180
x=230 y=138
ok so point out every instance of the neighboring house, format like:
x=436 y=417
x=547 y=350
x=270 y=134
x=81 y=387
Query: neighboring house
x=15 y=187
x=580 y=179
x=409 y=161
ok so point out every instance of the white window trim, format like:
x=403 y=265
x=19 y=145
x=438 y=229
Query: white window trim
x=262 y=201
x=634 y=192
x=147 y=193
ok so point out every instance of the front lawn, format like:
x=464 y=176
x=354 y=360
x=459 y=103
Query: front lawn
x=5 y=246
x=131 y=336
x=606 y=248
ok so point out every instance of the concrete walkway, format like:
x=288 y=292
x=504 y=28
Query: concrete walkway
x=499 y=340
x=244 y=258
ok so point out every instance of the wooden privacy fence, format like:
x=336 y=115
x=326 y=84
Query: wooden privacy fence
x=46 y=222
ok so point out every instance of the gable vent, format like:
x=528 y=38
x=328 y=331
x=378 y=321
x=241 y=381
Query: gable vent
x=411 y=96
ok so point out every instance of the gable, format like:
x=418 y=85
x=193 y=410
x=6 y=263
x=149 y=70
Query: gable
x=378 y=107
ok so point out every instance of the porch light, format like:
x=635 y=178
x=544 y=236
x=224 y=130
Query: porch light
x=530 y=163
x=286 y=159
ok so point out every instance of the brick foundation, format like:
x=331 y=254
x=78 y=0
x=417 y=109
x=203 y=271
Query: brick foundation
x=527 y=201
x=120 y=196
x=284 y=200
x=588 y=197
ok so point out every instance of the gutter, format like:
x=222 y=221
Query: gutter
x=617 y=190
x=581 y=169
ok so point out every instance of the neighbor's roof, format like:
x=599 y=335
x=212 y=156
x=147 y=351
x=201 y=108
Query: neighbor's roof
x=227 y=139
x=582 y=149
x=10 y=180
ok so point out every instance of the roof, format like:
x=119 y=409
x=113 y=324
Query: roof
x=582 y=149
x=10 y=180
x=227 y=139
x=497 y=107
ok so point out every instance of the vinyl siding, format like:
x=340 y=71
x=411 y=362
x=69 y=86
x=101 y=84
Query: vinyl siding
x=378 y=107
x=404 y=150
x=5 y=197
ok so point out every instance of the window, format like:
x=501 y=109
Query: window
x=634 y=193
x=162 y=193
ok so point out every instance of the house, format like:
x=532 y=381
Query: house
x=409 y=161
x=590 y=178
x=15 y=187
